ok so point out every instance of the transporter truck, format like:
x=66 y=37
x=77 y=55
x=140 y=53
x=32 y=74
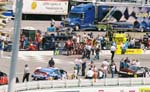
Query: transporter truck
x=104 y=16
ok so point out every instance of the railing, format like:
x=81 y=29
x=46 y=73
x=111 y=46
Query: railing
x=78 y=83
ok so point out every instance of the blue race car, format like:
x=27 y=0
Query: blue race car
x=48 y=73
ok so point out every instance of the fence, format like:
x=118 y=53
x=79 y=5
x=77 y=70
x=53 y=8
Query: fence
x=78 y=83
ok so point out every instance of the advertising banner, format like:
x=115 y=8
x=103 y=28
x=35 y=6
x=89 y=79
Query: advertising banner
x=125 y=17
x=50 y=7
x=130 y=51
x=144 y=89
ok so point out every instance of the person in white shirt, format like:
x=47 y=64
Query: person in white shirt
x=75 y=73
x=105 y=65
x=112 y=49
x=78 y=61
x=100 y=74
x=137 y=63
x=147 y=74
x=26 y=73
x=89 y=74
x=113 y=67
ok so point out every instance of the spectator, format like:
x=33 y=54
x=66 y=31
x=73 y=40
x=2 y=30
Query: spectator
x=100 y=74
x=148 y=43
x=121 y=64
x=137 y=63
x=105 y=65
x=127 y=60
x=113 y=68
x=112 y=49
x=38 y=39
x=97 y=52
x=124 y=64
x=26 y=73
x=88 y=51
x=22 y=38
x=26 y=43
x=52 y=22
x=91 y=65
x=78 y=61
x=132 y=43
x=147 y=74
x=51 y=63
x=1 y=48
x=95 y=74
x=89 y=74
x=69 y=46
x=83 y=67
x=75 y=73
x=123 y=48
x=17 y=80
x=133 y=62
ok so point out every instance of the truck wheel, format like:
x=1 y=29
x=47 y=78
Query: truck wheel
x=77 y=28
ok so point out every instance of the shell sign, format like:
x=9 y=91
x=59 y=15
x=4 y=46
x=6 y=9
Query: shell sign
x=34 y=5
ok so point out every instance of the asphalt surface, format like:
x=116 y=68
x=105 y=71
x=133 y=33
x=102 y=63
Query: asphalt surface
x=64 y=62
x=61 y=61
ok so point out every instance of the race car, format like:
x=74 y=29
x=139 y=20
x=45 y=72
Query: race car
x=133 y=71
x=48 y=73
x=3 y=78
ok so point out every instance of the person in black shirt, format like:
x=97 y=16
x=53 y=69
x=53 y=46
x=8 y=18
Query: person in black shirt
x=83 y=68
x=51 y=62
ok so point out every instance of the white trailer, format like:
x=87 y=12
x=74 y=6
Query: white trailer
x=44 y=7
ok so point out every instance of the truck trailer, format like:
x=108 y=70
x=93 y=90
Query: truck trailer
x=43 y=8
x=106 y=16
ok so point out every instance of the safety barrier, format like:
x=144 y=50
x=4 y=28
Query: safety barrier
x=50 y=53
x=78 y=83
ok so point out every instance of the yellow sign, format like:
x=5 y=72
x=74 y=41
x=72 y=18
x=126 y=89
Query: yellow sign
x=34 y=5
x=144 y=89
x=119 y=38
x=130 y=51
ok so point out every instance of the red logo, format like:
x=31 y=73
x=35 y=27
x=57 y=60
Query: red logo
x=131 y=90
x=100 y=90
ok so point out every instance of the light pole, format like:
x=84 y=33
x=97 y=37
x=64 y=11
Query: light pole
x=15 y=47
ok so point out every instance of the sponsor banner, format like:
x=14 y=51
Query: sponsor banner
x=103 y=89
x=130 y=51
x=131 y=90
x=144 y=89
x=100 y=90
x=53 y=7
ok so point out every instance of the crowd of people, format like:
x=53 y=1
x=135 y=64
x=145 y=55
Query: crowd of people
x=85 y=69
x=89 y=70
x=31 y=44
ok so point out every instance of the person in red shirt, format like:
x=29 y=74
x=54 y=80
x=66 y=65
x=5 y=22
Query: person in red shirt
x=69 y=46
x=38 y=39
x=22 y=38
x=148 y=43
